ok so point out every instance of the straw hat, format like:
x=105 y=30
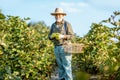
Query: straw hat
x=58 y=11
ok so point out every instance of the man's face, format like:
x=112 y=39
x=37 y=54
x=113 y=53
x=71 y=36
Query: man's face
x=59 y=17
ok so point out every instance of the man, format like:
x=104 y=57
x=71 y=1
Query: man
x=61 y=33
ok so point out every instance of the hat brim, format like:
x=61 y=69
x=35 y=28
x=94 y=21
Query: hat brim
x=58 y=13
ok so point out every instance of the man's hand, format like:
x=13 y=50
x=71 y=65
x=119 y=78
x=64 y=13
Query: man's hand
x=62 y=36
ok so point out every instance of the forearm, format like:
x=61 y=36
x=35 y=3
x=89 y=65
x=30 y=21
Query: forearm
x=69 y=37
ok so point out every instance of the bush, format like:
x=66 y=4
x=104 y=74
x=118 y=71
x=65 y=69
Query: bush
x=25 y=52
x=102 y=53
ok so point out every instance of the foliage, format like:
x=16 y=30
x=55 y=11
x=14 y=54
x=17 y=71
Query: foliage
x=2 y=16
x=55 y=36
x=25 y=52
x=102 y=53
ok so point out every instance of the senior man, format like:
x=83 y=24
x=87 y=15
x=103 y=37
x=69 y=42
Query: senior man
x=61 y=33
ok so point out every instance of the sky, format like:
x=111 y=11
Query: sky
x=80 y=13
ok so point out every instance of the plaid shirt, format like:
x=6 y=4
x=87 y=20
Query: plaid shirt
x=59 y=28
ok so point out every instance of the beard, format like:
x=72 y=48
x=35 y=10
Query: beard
x=59 y=19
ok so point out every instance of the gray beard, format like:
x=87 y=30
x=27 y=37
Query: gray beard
x=59 y=20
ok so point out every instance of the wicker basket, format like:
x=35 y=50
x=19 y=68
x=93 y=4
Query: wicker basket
x=74 y=48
